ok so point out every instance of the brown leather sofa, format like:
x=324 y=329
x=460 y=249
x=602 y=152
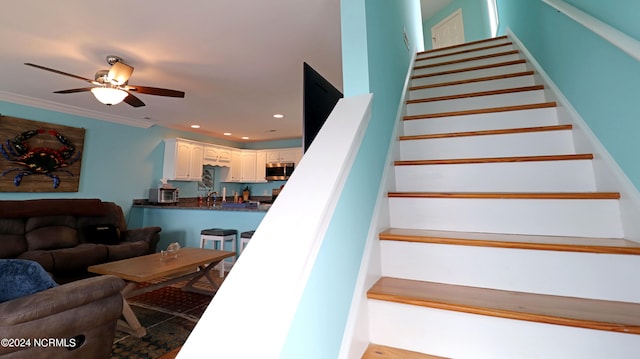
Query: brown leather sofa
x=68 y=235
x=74 y=320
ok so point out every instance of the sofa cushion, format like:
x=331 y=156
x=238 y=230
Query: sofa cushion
x=51 y=232
x=102 y=234
x=53 y=237
x=19 y=278
x=79 y=257
x=12 y=241
x=43 y=257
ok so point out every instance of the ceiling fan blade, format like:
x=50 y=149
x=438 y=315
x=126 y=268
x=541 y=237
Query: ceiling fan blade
x=120 y=73
x=74 y=90
x=155 y=91
x=58 y=72
x=133 y=101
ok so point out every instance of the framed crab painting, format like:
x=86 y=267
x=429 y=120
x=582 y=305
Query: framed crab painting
x=39 y=157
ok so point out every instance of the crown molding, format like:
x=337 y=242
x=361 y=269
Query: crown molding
x=72 y=110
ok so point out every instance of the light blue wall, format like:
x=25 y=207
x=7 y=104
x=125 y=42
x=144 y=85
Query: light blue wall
x=120 y=163
x=475 y=17
x=184 y=225
x=599 y=80
x=318 y=327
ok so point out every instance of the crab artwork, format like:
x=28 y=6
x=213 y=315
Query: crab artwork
x=39 y=160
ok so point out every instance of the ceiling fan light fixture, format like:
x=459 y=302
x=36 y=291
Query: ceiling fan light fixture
x=108 y=95
x=119 y=73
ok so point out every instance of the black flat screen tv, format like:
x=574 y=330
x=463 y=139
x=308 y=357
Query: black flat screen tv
x=319 y=99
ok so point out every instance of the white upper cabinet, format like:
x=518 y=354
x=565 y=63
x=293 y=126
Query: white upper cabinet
x=248 y=166
x=182 y=160
x=217 y=156
x=284 y=155
x=261 y=161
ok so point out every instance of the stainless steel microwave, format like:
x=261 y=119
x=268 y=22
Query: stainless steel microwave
x=278 y=171
x=163 y=195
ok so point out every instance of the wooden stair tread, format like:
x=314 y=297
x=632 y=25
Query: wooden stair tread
x=502 y=131
x=507 y=195
x=532 y=106
x=477 y=94
x=462 y=45
x=515 y=241
x=479 y=160
x=375 y=351
x=475 y=58
x=472 y=80
x=569 y=311
x=464 y=51
x=467 y=69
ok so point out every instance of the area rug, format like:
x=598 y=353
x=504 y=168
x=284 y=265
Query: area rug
x=169 y=315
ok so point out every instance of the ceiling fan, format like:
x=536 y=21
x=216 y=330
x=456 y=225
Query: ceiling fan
x=111 y=86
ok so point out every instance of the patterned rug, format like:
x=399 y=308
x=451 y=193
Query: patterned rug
x=169 y=315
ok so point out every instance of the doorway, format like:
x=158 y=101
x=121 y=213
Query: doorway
x=449 y=31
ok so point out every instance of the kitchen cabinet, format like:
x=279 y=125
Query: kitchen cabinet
x=248 y=166
x=182 y=160
x=261 y=161
x=245 y=168
x=236 y=167
x=217 y=156
x=284 y=155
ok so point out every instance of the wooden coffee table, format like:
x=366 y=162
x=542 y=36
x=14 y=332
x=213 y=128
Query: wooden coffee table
x=190 y=264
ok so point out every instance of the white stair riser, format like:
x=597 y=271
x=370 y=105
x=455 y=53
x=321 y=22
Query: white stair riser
x=486 y=121
x=561 y=217
x=464 y=48
x=493 y=71
x=543 y=176
x=595 y=276
x=468 y=336
x=517 y=144
x=474 y=103
x=424 y=60
x=520 y=81
x=464 y=65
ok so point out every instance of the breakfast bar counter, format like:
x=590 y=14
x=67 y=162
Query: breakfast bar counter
x=183 y=221
x=192 y=204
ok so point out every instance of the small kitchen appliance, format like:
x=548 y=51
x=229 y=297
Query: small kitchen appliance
x=163 y=195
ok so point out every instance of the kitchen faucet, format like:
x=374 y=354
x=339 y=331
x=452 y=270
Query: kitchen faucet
x=209 y=194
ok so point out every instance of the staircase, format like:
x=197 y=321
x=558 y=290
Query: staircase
x=501 y=245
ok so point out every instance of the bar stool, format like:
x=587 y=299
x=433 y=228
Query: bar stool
x=220 y=236
x=244 y=239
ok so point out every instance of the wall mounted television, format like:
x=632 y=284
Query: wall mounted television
x=319 y=99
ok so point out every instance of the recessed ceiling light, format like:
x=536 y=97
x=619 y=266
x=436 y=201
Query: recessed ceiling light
x=245 y=137
x=227 y=133
x=278 y=115
x=195 y=126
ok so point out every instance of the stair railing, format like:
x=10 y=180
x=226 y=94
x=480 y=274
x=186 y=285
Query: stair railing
x=619 y=39
x=252 y=312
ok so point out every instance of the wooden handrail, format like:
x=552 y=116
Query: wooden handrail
x=619 y=39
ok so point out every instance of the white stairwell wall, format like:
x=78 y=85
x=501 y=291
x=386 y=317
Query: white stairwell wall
x=595 y=276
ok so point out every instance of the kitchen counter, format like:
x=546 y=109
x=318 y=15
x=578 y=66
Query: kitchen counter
x=183 y=221
x=192 y=204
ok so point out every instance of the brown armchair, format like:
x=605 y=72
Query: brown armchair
x=74 y=320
